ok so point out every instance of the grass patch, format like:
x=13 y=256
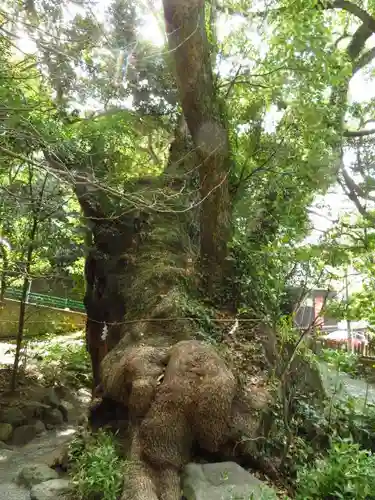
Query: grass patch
x=97 y=470
x=342 y=361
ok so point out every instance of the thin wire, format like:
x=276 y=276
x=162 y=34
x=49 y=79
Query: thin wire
x=133 y=321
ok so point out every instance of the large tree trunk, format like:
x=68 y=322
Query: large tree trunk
x=174 y=395
x=137 y=263
x=175 y=391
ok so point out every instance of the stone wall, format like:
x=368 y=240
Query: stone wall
x=39 y=320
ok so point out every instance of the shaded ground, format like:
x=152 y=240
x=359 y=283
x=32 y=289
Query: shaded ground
x=40 y=449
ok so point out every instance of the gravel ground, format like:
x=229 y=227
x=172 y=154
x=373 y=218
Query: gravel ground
x=11 y=491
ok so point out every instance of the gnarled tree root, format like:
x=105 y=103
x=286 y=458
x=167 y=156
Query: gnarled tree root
x=176 y=399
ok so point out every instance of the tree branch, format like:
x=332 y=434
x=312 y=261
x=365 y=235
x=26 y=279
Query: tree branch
x=362 y=34
x=358 y=41
x=357 y=11
x=358 y=133
x=351 y=190
x=90 y=205
x=364 y=60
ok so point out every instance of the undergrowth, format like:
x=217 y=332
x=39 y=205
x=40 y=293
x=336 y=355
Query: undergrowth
x=193 y=307
x=331 y=439
x=314 y=426
x=66 y=364
x=342 y=361
x=96 y=469
x=62 y=363
x=347 y=472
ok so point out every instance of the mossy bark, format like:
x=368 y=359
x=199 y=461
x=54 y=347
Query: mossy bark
x=139 y=263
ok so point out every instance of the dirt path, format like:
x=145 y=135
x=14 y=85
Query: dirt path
x=14 y=459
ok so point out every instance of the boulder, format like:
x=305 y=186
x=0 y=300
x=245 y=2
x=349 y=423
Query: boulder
x=34 y=409
x=58 y=489
x=67 y=405
x=66 y=409
x=23 y=434
x=13 y=416
x=50 y=398
x=4 y=446
x=59 y=457
x=39 y=427
x=224 y=481
x=82 y=419
x=6 y=431
x=52 y=417
x=35 y=474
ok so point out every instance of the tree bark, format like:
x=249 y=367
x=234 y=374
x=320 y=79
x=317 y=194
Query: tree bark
x=205 y=117
x=104 y=299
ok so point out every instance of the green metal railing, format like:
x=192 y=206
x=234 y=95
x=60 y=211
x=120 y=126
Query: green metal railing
x=46 y=300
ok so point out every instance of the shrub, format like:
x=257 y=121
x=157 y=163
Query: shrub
x=313 y=426
x=97 y=470
x=342 y=361
x=352 y=419
x=346 y=473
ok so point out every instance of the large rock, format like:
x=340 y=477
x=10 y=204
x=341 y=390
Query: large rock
x=224 y=481
x=34 y=409
x=59 y=457
x=52 y=417
x=39 y=427
x=23 y=434
x=7 y=455
x=6 y=431
x=50 y=398
x=4 y=446
x=67 y=409
x=35 y=474
x=13 y=416
x=57 y=489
